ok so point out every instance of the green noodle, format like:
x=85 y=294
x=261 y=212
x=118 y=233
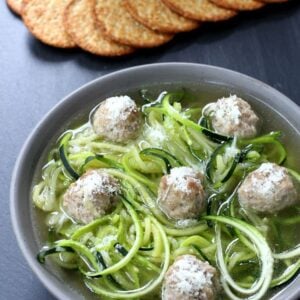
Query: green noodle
x=125 y=254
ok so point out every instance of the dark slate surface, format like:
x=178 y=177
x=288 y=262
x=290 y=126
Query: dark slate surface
x=33 y=77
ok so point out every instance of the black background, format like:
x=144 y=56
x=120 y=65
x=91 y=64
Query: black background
x=33 y=77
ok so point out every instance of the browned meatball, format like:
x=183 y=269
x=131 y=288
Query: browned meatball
x=268 y=189
x=93 y=195
x=190 y=279
x=117 y=119
x=181 y=195
x=233 y=116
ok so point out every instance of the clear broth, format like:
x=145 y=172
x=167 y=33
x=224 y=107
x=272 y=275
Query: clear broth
x=203 y=94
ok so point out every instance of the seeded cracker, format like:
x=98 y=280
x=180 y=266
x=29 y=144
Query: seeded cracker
x=81 y=25
x=239 y=4
x=274 y=1
x=119 y=25
x=44 y=19
x=201 y=10
x=155 y=15
x=15 y=6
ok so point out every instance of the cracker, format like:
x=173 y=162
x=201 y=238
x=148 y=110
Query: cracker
x=15 y=6
x=274 y=1
x=239 y=4
x=155 y=15
x=119 y=25
x=44 y=19
x=80 y=23
x=201 y=10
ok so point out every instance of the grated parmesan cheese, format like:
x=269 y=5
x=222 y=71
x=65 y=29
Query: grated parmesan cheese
x=186 y=223
x=117 y=119
x=231 y=151
x=233 y=116
x=268 y=189
x=190 y=277
x=179 y=177
x=155 y=135
x=96 y=183
x=274 y=175
x=75 y=149
x=119 y=107
x=228 y=108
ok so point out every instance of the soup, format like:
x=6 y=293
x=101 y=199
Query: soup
x=172 y=198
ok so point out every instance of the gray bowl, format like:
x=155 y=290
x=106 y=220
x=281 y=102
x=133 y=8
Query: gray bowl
x=85 y=98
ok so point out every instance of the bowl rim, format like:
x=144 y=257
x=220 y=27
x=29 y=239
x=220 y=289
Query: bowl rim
x=48 y=282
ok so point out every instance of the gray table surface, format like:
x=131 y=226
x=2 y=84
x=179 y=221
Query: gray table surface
x=33 y=77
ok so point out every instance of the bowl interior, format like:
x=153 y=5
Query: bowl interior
x=208 y=83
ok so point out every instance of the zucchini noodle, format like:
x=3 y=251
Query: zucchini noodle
x=288 y=254
x=135 y=247
x=126 y=253
x=263 y=252
x=150 y=286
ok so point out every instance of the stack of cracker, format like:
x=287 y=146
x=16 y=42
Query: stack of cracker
x=120 y=27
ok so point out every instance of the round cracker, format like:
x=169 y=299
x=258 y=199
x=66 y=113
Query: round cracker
x=15 y=6
x=239 y=4
x=44 y=19
x=274 y=1
x=201 y=10
x=119 y=25
x=80 y=23
x=155 y=15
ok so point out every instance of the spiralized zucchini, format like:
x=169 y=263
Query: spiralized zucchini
x=125 y=254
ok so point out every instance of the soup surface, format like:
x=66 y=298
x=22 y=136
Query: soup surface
x=124 y=249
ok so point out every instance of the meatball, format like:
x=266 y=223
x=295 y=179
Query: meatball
x=181 y=195
x=234 y=117
x=268 y=189
x=190 y=279
x=93 y=195
x=117 y=119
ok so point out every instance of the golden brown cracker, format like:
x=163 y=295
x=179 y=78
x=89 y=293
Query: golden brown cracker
x=80 y=23
x=274 y=1
x=155 y=15
x=15 y=6
x=44 y=19
x=239 y=4
x=201 y=10
x=119 y=25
